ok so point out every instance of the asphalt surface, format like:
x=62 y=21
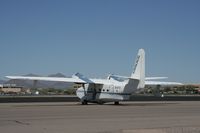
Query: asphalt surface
x=69 y=98
x=128 y=117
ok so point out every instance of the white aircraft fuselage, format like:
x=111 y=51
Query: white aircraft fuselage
x=114 y=92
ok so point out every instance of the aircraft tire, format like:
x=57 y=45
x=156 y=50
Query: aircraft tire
x=116 y=103
x=100 y=103
x=84 y=102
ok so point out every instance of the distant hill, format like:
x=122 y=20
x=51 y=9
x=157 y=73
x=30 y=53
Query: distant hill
x=57 y=75
x=61 y=85
x=2 y=81
x=41 y=84
x=32 y=75
x=20 y=83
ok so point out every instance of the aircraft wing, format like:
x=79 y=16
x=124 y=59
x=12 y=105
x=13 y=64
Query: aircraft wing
x=80 y=79
x=77 y=78
x=152 y=83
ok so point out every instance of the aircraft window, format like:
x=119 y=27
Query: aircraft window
x=103 y=90
x=99 y=89
x=107 y=90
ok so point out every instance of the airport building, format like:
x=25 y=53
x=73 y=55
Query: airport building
x=12 y=89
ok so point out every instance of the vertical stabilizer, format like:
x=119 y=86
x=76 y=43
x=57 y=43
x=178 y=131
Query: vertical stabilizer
x=139 y=68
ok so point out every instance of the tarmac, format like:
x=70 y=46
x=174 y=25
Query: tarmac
x=128 y=117
x=73 y=98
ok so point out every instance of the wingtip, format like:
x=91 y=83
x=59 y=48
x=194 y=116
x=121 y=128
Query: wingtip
x=8 y=77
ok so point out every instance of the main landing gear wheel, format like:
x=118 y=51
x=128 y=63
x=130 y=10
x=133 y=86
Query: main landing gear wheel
x=116 y=103
x=100 y=103
x=84 y=102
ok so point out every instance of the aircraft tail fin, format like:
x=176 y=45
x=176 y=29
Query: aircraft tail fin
x=139 y=68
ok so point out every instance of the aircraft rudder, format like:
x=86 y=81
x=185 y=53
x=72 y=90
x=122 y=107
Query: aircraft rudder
x=139 y=68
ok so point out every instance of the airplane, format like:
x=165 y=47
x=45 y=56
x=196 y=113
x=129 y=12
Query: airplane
x=112 y=89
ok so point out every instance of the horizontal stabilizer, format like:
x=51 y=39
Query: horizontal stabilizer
x=125 y=77
x=155 y=78
x=153 y=83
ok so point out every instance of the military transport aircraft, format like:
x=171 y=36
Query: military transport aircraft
x=113 y=89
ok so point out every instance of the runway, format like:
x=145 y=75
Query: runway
x=73 y=98
x=128 y=117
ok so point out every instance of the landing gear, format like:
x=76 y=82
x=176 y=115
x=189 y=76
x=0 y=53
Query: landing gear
x=84 y=102
x=100 y=103
x=116 y=103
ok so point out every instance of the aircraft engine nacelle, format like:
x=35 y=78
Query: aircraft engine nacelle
x=80 y=92
x=77 y=76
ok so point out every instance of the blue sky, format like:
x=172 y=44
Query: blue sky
x=101 y=37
